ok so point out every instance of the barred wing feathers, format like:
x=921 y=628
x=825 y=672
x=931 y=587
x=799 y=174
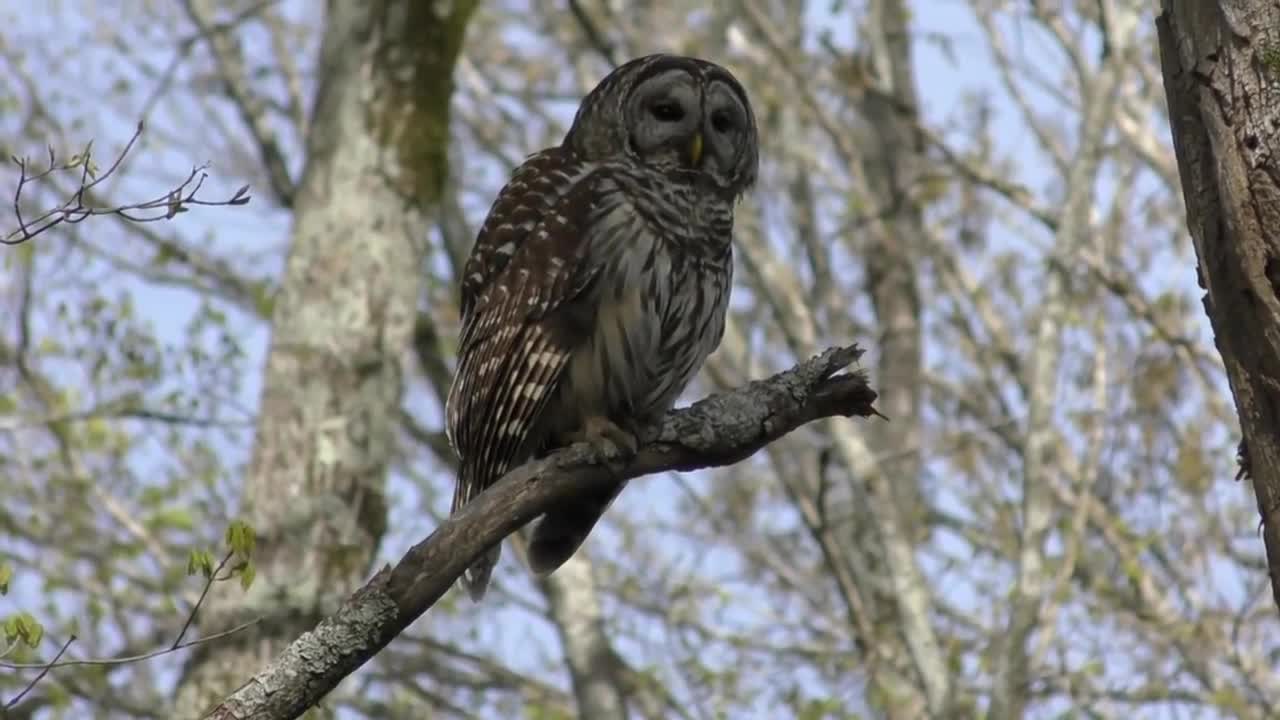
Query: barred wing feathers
x=528 y=260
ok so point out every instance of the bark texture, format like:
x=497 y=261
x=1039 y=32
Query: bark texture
x=720 y=430
x=376 y=161
x=1221 y=63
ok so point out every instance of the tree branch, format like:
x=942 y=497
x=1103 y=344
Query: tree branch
x=74 y=209
x=719 y=430
x=228 y=55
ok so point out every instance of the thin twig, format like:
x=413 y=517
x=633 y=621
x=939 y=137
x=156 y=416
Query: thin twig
x=17 y=698
x=74 y=209
x=191 y=617
x=45 y=668
x=128 y=659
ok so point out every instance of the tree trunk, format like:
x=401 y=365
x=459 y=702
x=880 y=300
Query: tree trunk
x=895 y=504
x=1221 y=64
x=376 y=161
x=575 y=609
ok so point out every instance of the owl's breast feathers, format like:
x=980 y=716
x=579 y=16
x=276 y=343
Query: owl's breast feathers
x=665 y=263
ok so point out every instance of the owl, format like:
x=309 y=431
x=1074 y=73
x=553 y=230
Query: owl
x=598 y=284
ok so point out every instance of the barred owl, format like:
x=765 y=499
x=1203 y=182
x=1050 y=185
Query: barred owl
x=598 y=284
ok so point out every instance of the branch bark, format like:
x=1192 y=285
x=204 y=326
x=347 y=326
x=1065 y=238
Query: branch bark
x=719 y=430
x=1221 y=63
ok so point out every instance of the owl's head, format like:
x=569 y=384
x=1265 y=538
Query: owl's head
x=673 y=113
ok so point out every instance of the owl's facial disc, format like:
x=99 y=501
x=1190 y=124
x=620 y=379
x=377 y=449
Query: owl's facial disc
x=677 y=122
x=665 y=117
x=725 y=129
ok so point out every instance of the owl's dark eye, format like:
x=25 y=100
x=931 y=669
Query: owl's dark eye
x=667 y=111
x=722 y=121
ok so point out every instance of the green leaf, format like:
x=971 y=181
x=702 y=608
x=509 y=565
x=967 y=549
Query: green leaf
x=175 y=518
x=6 y=575
x=49 y=346
x=23 y=626
x=241 y=538
x=96 y=433
x=152 y=496
x=57 y=695
x=818 y=710
x=200 y=561
x=247 y=574
x=264 y=300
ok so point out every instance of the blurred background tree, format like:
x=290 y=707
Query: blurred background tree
x=981 y=192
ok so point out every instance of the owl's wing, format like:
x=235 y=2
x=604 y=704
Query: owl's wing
x=529 y=259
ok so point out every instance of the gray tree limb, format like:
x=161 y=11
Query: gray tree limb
x=719 y=430
x=230 y=58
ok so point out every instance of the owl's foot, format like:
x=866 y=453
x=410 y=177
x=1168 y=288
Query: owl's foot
x=611 y=439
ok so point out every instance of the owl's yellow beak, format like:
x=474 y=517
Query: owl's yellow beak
x=695 y=150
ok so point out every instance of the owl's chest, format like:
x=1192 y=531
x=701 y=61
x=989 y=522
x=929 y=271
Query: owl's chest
x=657 y=311
x=656 y=279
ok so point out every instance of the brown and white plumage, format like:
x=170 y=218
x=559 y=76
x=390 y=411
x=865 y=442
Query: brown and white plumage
x=599 y=282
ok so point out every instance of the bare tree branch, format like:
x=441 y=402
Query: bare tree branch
x=230 y=59
x=74 y=209
x=719 y=430
x=131 y=658
x=595 y=38
x=40 y=676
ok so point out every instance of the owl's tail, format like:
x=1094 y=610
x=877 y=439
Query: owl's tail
x=475 y=578
x=560 y=533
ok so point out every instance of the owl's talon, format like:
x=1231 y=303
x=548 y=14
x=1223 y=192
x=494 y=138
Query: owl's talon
x=609 y=438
